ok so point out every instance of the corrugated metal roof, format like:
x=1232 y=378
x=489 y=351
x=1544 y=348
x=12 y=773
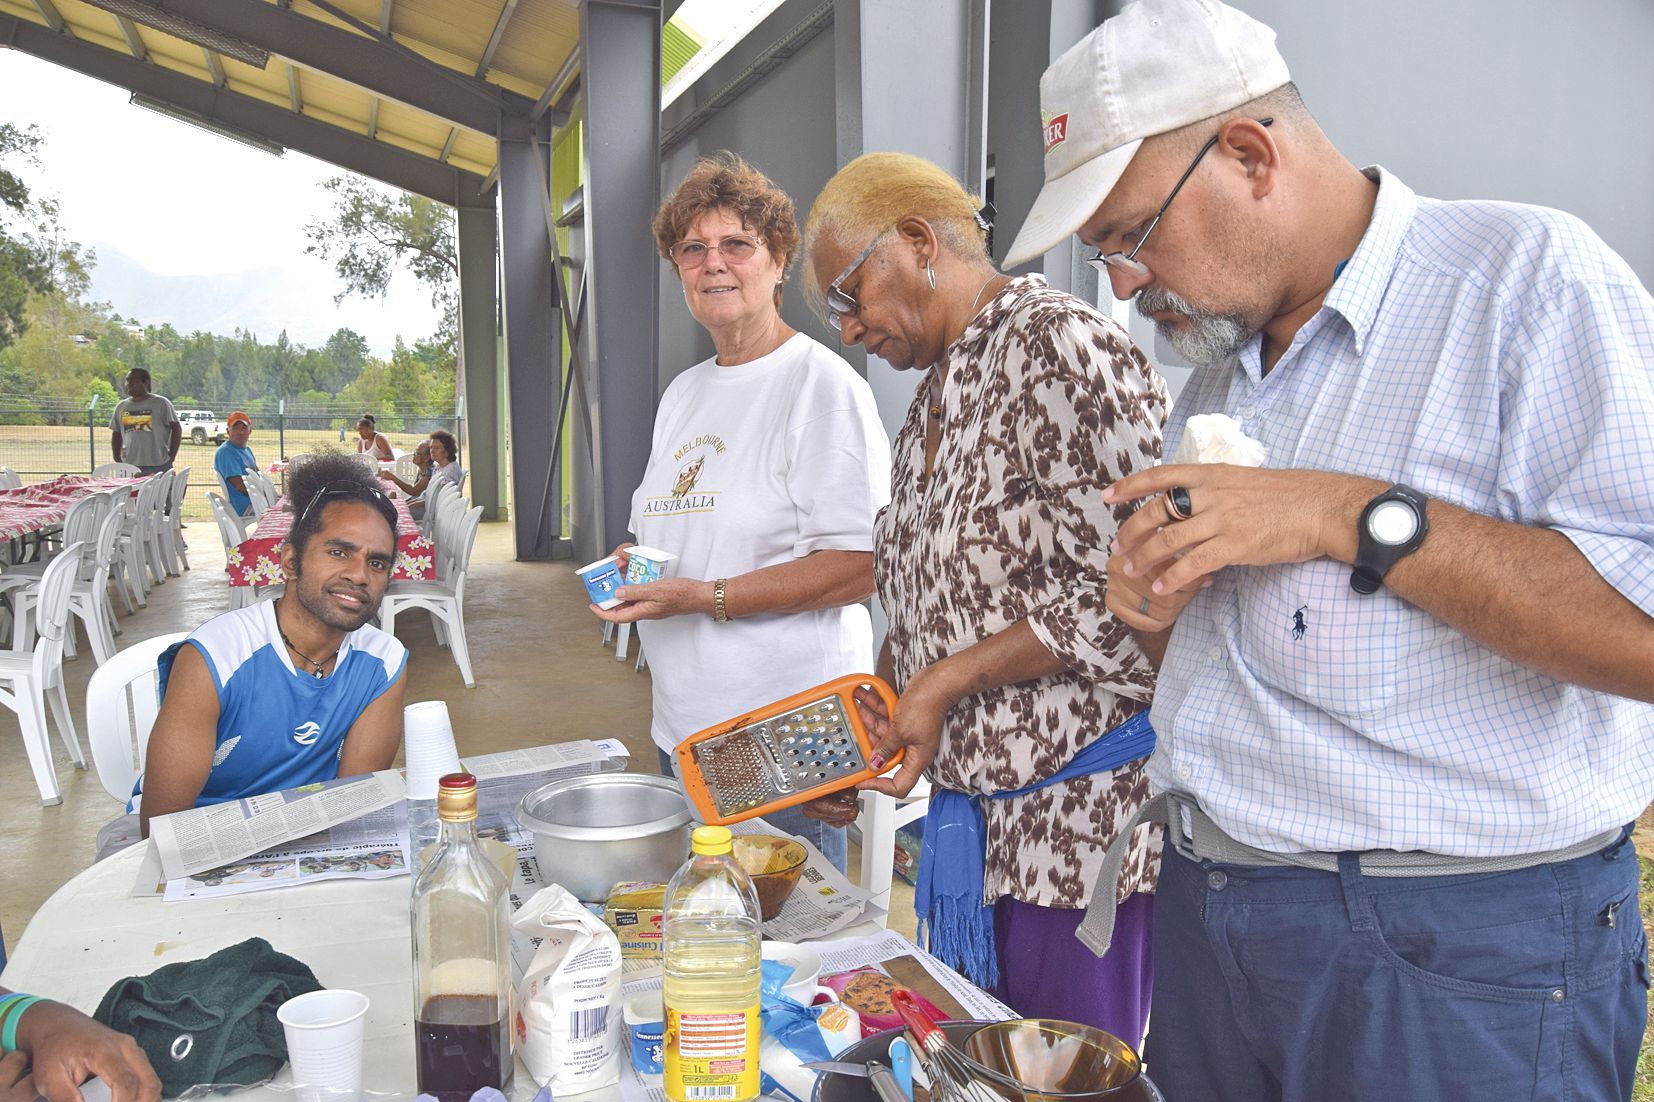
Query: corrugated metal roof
x=536 y=39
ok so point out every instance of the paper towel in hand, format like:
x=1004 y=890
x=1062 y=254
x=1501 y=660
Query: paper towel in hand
x=1217 y=438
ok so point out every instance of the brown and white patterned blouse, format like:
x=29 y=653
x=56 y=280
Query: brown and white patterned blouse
x=1047 y=402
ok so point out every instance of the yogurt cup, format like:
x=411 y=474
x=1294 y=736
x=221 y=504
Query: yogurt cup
x=602 y=578
x=648 y=564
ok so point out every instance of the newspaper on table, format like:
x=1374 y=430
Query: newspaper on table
x=352 y=827
x=823 y=902
x=884 y=951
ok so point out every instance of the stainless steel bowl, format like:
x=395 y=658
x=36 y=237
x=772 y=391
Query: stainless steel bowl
x=592 y=832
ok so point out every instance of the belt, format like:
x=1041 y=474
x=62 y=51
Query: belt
x=1197 y=837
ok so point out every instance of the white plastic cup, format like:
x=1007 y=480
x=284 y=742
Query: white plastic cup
x=428 y=749
x=324 y=1043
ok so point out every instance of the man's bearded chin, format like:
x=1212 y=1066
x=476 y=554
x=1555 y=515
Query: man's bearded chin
x=1203 y=338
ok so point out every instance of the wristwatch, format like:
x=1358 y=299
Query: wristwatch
x=1392 y=526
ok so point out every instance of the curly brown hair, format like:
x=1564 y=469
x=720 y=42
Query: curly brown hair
x=723 y=181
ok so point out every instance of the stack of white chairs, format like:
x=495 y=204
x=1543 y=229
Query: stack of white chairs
x=154 y=522
x=261 y=491
x=444 y=598
x=116 y=470
x=31 y=678
x=132 y=567
x=122 y=701
x=434 y=497
x=173 y=549
x=232 y=530
x=88 y=595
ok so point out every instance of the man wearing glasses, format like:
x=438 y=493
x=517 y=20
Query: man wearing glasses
x=1405 y=666
x=296 y=690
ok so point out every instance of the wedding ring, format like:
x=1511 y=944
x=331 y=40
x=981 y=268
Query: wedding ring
x=1143 y=606
x=1178 y=505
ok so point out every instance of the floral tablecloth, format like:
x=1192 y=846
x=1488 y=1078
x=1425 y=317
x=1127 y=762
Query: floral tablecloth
x=257 y=559
x=44 y=505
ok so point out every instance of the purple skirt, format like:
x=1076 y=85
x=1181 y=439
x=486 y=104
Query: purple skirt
x=1045 y=971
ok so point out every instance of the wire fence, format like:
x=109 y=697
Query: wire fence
x=43 y=437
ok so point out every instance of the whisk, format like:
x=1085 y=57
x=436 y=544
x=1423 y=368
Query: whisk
x=953 y=1077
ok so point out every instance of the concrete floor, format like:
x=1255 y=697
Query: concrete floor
x=541 y=674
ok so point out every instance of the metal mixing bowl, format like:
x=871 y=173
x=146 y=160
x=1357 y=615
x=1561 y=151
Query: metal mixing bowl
x=592 y=832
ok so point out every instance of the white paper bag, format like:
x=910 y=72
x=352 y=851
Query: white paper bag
x=568 y=1011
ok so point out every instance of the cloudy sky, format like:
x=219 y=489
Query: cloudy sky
x=181 y=202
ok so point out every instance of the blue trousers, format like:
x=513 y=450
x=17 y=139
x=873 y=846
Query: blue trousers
x=832 y=841
x=1304 y=986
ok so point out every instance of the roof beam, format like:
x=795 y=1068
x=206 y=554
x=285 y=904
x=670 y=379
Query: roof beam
x=293 y=90
x=448 y=146
x=385 y=17
x=544 y=103
x=215 y=66
x=377 y=65
x=373 y=120
x=129 y=31
x=48 y=11
x=336 y=145
x=494 y=39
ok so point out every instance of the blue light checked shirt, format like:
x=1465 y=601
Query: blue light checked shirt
x=1495 y=356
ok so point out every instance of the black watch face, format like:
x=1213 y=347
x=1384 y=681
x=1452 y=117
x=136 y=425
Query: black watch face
x=1393 y=523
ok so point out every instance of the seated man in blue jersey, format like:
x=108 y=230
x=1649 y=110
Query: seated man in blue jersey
x=233 y=459
x=292 y=691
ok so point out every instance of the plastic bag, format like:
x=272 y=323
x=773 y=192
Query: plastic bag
x=568 y=1011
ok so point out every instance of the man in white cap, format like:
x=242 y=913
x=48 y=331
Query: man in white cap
x=1404 y=666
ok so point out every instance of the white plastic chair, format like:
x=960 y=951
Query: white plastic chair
x=132 y=547
x=30 y=678
x=121 y=706
x=444 y=599
x=10 y=479
x=877 y=822
x=88 y=597
x=116 y=470
x=261 y=492
x=155 y=523
x=434 y=496
x=232 y=530
x=172 y=535
x=369 y=462
x=407 y=468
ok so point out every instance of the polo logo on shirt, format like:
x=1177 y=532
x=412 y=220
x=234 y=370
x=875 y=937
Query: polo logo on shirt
x=305 y=734
x=1299 y=624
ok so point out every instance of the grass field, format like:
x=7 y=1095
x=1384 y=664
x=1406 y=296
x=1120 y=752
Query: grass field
x=40 y=452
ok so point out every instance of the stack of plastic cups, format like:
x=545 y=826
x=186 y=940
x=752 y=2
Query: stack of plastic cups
x=428 y=753
x=324 y=1043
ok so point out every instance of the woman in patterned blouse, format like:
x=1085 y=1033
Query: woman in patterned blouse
x=989 y=563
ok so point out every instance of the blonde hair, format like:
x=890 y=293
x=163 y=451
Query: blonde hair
x=872 y=193
x=723 y=181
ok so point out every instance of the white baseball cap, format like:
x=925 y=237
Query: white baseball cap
x=1157 y=66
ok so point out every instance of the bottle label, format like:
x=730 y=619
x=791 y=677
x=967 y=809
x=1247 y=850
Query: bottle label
x=712 y=1057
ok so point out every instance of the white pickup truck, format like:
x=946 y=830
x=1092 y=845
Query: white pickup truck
x=200 y=426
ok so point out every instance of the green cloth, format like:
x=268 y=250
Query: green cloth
x=225 y=1005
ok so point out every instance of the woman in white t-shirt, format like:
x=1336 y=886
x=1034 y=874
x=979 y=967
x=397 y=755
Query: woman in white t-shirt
x=767 y=467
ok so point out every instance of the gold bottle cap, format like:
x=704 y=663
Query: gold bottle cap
x=456 y=798
x=710 y=841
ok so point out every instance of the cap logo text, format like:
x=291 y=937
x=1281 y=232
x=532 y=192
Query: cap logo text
x=1056 y=131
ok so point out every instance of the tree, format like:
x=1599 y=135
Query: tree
x=373 y=233
x=22 y=270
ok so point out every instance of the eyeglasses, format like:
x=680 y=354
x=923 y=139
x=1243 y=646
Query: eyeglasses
x=841 y=303
x=688 y=255
x=1127 y=263
x=358 y=490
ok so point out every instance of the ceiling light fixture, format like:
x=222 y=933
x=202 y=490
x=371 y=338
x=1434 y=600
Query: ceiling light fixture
x=187 y=29
x=211 y=126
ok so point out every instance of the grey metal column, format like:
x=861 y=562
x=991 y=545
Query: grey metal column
x=927 y=101
x=620 y=90
x=533 y=348
x=478 y=357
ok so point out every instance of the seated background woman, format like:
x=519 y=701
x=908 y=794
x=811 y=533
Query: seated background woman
x=370 y=439
x=296 y=690
x=990 y=563
x=767 y=465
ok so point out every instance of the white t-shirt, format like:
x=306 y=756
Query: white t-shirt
x=754 y=465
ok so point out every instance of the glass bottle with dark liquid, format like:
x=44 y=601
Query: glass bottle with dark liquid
x=462 y=963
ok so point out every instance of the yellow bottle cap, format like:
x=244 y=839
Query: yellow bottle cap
x=711 y=841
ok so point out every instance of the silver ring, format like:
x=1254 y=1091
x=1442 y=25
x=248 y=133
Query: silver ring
x=1143 y=606
x=1178 y=506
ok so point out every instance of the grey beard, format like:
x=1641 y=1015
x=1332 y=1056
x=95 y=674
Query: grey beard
x=1206 y=339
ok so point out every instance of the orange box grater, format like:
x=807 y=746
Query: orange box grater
x=804 y=746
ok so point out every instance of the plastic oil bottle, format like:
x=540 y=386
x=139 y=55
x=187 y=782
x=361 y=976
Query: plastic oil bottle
x=462 y=958
x=712 y=976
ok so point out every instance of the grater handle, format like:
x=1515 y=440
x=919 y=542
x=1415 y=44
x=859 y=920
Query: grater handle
x=885 y=693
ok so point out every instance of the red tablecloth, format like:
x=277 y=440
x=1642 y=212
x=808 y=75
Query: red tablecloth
x=257 y=559
x=45 y=504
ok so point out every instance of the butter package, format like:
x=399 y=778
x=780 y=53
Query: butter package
x=633 y=912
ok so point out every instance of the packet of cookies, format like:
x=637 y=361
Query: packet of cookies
x=867 y=992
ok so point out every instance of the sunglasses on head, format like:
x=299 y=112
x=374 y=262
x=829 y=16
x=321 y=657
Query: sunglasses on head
x=372 y=494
